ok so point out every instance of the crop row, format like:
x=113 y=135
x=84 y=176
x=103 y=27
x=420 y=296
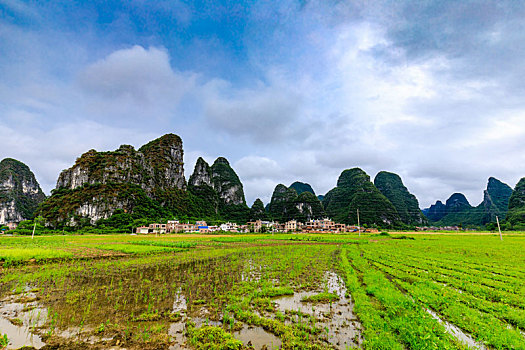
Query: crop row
x=387 y=313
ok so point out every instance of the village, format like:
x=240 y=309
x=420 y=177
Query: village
x=259 y=226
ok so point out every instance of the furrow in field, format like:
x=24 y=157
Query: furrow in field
x=514 y=286
x=484 y=326
x=504 y=266
x=516 y=277
x=471 y=287
x=506 y=313
x=415 y=328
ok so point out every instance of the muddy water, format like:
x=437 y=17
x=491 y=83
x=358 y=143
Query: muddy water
x=342 y=328
x=258 y=338
x=164 y=296
x=458 y=333
x=89 y=299
x=18 y=320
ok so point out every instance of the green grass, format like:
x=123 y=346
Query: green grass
x=14 y=256
x=474 y=282
x=324 y=297
x=138 y=249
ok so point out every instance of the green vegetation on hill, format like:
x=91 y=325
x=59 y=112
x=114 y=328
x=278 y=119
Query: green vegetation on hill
x=301 y=187
x=257 y=211
x=406 y=204
x=355 y=191
x=309 y=207
x=287 y=205
x=220 y=190
x=65 y=204
x=282 y=205
x=20 y=193
x=458 y=211
x=516 y=213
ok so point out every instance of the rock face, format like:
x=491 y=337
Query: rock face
x=158 y=164
x=458 y=211
x=201 y=174
x=226 y=182
x=516 y=213
x=355 y=191
x=287 y=205
x=495 y=200
x=219 y=189
x=20 y=193
x=301 y=187
x=148 y=182
x=406 y=204
x=308 y=207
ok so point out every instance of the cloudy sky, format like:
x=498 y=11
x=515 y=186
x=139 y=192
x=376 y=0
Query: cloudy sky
x=286 y=90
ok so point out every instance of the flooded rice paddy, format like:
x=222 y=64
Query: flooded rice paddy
x=100 y=306
x=241 y=295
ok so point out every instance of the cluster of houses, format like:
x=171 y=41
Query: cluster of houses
x=174 y=226
x=441 y=228
x=9 y=225
x=312 y=226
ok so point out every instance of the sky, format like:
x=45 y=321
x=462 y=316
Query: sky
x=285 y=90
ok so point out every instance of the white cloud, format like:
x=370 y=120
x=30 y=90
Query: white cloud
x=344 y=93
x=47 y=152
x=264 y=114
x=136 y=81
x=256 y=167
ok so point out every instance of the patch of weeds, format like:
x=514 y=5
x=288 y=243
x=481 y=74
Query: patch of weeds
x=175 y=317
x=28 y=308
x=263 y=304
x=4 y=341
x=148 y=316
x=16 y=321
x=275 y=292
x=26 y=300
x=404 y=237
x=324 y=297
x=210 y=337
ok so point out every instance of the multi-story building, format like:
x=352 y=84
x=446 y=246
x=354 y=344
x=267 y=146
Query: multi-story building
x=290 y=226
x=172 y=226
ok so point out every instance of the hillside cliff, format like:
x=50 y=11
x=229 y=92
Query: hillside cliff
x=458 y=211
x=157 y=164
x=406 y=204
x=20 y=193
x=301 y=187
x=286 y=205
x=148 y=182
x=219 y=189
x=516 y=213
x=355 y=191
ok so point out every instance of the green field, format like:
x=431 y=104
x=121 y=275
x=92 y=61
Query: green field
x=397 y=291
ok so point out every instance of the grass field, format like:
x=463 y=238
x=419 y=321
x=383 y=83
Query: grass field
x=398 y=291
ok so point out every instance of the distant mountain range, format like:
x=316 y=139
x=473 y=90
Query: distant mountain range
x=149 y=183
x=458 y=211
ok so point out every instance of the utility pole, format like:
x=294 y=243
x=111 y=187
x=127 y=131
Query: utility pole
x=499 y=229
x=358 y=224
x=34 y=228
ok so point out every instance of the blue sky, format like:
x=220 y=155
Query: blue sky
x=286 y=90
